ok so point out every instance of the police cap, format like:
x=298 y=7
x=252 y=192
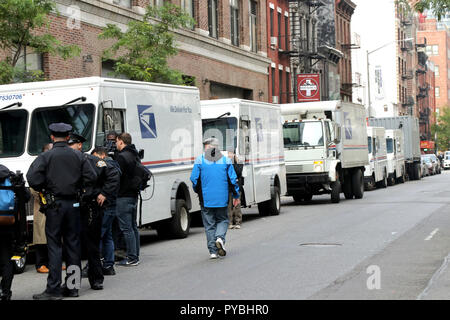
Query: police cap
x=75 y=138
x=60 y=129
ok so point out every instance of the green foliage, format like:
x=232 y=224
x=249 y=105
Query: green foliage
x=442 y=129
x=439 y=7
x=141 y=52
x=18 y=21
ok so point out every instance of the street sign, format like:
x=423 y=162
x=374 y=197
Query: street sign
x=308 y=87
x=427 y=144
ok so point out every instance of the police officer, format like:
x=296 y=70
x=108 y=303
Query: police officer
x=104 y=191
x=62 y=175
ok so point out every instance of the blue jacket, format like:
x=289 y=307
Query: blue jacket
x=213 y=177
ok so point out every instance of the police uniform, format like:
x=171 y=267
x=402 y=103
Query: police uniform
x=92 y=214
x=63 y=174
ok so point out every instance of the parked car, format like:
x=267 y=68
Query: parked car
x=446 y=162
x=427 y=166
x=436 y=163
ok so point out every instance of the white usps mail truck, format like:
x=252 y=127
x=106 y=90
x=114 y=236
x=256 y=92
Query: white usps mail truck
x=326 y=149
x=376 y=173
x=253 y=130
x=395 y=156
x=163 y=120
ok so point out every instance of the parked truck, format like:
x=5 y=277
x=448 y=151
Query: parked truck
x=395 y=158
x=376 y=173
x=253 y=131
x=410 y=127
x=325 y=148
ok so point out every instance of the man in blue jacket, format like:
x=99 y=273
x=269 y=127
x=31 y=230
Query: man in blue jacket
x=211 y=176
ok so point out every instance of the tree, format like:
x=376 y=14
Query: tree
x=440 y=8
x=19 y=22
x=141 y=52
x=442 y=129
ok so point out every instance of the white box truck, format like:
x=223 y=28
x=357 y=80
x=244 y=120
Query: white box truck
x=410 y=127
x=325 y=148
x=395 y=157
x=163 y=120
x=254 y=131
x=376 y=174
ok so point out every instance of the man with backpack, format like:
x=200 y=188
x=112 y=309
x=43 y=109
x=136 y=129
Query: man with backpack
x=131 y=182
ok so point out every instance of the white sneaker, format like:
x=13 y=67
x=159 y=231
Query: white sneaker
x=231 y=226
x=219 y=244
x=213 y=256
x=238 y=226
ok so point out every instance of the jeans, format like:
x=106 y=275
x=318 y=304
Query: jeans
x=107 y=243
x=6 y=264
x=215 y=221
x=127 y=215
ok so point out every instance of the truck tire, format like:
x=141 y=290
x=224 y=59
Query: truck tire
x=347 y=189
x=178 y=226
x=402 y=178
x=358 y=184
x=272 y=206
x=383 y=183
x=391 y=179
x=370 y=184
x=335 y=191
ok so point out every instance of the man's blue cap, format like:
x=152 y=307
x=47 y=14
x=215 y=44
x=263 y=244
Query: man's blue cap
x=60 y=129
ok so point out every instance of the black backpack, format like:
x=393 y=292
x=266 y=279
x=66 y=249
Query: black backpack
x=141 y=175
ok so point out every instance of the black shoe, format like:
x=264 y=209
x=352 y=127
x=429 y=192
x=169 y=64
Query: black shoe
x=85 y=272
x=47 y=296
x=5 y=296
x=109 y=271
x=69 y=293
x=97 y=286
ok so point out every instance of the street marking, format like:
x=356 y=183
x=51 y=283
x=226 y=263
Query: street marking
x=432 y=234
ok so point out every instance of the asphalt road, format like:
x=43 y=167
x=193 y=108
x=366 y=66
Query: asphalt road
x=400 y=235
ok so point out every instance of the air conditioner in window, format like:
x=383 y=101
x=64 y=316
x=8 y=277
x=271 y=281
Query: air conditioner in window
x=274 y=99
x=273 y=42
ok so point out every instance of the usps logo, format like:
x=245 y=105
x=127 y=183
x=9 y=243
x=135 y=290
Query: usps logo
x=147 y=122
x=348 y=126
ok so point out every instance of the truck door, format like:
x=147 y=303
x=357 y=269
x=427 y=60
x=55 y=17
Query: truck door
x=245 y=157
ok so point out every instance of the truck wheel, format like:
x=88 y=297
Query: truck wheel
x=370 y=185
x=178 y=226
x=272 y=206
x=402 y=178
x=335 y=191
x=383 y=183
x=391 y=179
x=358 y=184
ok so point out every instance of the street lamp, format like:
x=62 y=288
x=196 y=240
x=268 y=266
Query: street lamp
x=368 y=77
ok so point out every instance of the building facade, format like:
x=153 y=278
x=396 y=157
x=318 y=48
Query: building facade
x=278 y=47
x=225 y=53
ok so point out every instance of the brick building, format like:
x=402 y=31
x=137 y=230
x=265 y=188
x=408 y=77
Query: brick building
x=278 y=45
x=226 y=52
x=437 y=36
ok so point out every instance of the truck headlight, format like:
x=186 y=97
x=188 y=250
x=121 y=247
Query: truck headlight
x=318 y=166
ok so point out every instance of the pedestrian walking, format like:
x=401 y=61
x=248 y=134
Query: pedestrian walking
x=61 y=175
x=39 y=239
x=127 y=198
x=234 y=212
x=210 y=177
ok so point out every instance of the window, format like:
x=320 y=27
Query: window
x=79 y=116
x=435 y=49
x=188 y=7
x=212 y=18
x=13 y=125
x=253 y=26
x=30 y=60
x=273 y=82
x=280 y=88
x=123 y=3
x=234 y=14
x=288 y=81
x=286 y=32
x=436 y=71
x=279 y=30
x=437 y=92
x=389 y=145
x=429 y=50
x=224 y=129
x=271 y=22
x=303 y=134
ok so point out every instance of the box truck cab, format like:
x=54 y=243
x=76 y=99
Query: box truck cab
x=253 y=129
x=376 y=173
x=395 y=157
x=163 y=120
x=325 y=148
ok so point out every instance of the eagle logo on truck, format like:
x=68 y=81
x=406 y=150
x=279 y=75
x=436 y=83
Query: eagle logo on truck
x=147 y=122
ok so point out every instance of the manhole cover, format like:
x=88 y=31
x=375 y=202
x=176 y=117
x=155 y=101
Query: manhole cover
x=318 y=244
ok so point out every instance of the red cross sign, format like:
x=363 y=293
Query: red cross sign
x=308 y=87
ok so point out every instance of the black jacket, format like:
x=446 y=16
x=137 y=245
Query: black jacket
x=108 y=179
x=127 y=162
x=62 y=171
